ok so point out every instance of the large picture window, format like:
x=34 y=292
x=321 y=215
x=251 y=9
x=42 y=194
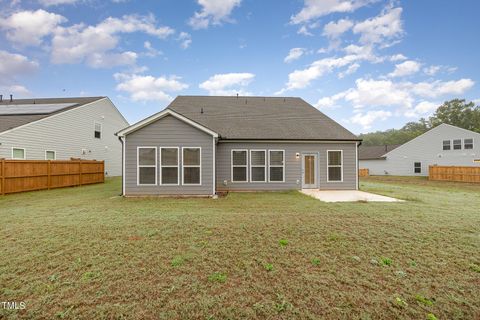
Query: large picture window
x=276 y=165
x=169 y=171
x=147 y=166
x=239 y=166
x=191 y=165
x=258 y=166
x=335 y=165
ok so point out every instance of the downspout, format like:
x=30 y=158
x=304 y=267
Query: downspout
x=358 y=166
x=123 y=165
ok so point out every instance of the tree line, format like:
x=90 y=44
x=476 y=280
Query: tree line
x=456 y=112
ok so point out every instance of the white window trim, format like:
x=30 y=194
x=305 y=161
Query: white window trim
x=192 y=166
x=94 y=129
x=453 y=144
x=54 y=154
x=276 y=166
x=238 y=165
x=169 y=166
x=414 y=167
x=450 y=144
x=24 y=153
x=147 y=166
x=473 y=144
x=335 y=166
x=258 y=166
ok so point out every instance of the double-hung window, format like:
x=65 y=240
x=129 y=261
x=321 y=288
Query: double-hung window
x=147 y=166
x=468 y=144
x=276 y=165
x=258 y=166
x=191 y=165
x=417 y=167
x=97 y=132
x=169 y=171
x=446 y=145
x=239 y=166
x=335 y=165
x=457 y=144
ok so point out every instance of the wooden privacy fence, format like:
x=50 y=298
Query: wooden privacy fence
x=29 y=175
x=452 y=173
x=363 y=173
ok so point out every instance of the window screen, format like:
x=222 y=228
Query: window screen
x=335 y=165
x=457 y=144
x=468 y=144
x=191 y=166
x=276 y=166
x=446 y=145
x=417 y=167
x=98 y=130
x=258 y=165
x=147 y=165
x=169 y=165
x=239 y=165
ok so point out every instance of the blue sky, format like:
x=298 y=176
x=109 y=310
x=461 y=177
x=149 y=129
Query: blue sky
x=368 y=64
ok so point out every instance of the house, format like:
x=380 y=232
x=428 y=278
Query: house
x=60 y=129
x=444 y=145
x=200 y=145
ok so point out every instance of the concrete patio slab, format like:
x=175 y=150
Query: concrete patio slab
x=347 y=196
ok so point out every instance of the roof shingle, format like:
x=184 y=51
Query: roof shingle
x=260 y=118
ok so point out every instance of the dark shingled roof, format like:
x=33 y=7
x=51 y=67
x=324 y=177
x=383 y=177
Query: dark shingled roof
x=10 y=121
x=375 y=152
x=260 y=118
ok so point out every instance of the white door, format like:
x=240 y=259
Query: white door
x=309 y=171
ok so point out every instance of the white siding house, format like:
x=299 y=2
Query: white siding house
x=444 y=145
x=62 y=128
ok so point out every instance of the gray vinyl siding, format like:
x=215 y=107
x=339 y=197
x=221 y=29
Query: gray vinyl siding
x=293 y=166
x=69 y=132
x=427 y=149
x=169 y=132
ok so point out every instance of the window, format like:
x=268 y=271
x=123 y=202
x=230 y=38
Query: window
x=239 y=166
x=276 y=165
x=18 y=154
x=258 y=166
x=457 y=144
x=50 y=155
x=446 y=145
x=335 y=165
x=169 y=166
x=147 y=166
x=98 y=130
x=468 y=144
x=417 y=167
x=191 y=166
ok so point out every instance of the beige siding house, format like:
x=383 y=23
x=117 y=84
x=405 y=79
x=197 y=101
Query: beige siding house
x=62 y=128
x=201 y=145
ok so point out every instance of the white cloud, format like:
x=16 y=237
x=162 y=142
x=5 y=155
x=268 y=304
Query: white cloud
x=385 y=27
x=335 y=29
x=367 y=119
x=48 y=3
x=94 y=44
x=313 y=9
x=28 y=28
x=149 y=88
x=439 y=88
x=350 y=70
x=294 y=54
x=397 y=57
x=421 y=109
x=330 y=102
x=213 y=12
x=151 y=51
x=185 y=40
x=12 y=67
x=304 y=31
x=405 y=68
x=227 y=83
x=432 y=70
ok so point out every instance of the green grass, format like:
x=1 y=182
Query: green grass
x=85 y=253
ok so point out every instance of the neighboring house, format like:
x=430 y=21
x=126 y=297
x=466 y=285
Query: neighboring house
x=200 y=145
x=444 y=145
x=62 y=128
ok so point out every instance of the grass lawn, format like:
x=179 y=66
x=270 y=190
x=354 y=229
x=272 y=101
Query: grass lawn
x=85 y=253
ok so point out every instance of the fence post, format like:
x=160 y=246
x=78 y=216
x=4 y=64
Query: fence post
x=3 y=176
x=80 y=172
x=49 y=170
